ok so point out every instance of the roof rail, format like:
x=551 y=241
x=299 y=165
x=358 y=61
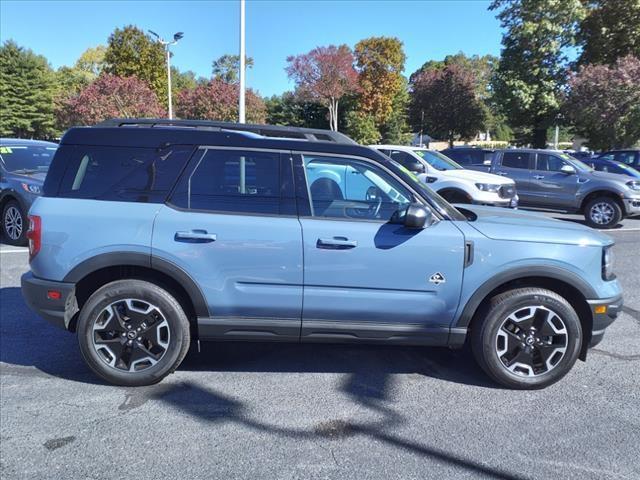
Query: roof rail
x=277 y=131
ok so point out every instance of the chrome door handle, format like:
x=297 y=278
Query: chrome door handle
x=504 y=174
x=336 y=243
x=196 y=236
x=538 y=177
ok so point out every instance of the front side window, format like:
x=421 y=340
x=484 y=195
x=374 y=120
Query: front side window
x=625 y=157
x=515 y=160
x=349 y=188
x=232 y=181
x=549 y=163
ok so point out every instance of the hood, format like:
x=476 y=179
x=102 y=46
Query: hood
x=616 y=177
x=506 y=224
x=474 y=176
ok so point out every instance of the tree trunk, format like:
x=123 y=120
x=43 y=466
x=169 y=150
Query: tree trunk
x=333 y=114
x=539 y=137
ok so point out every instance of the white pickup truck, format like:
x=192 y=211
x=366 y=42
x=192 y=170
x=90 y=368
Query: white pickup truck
x=450 y=180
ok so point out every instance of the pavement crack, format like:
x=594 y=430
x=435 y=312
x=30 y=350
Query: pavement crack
x=56 y=443
x=617 y=356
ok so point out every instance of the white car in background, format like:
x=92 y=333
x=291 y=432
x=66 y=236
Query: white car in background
x=450 y=180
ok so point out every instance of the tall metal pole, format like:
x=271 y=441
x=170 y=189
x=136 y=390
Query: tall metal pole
x=169 y=81
x=241 y=106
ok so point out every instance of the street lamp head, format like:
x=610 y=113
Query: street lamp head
x=154 y=34
x=178 y=36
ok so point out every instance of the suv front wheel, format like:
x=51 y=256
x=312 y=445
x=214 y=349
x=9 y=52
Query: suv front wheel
x=14 y=224
x=133 y=333
x=603 y=212
x=529 y=338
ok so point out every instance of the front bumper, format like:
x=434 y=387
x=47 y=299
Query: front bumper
x=38 y=294
x=604 y=312
x=502 y=202
x=632 y=206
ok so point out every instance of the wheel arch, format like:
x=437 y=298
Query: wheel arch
x=97 y=271
x=566 y=284
x=602 y=193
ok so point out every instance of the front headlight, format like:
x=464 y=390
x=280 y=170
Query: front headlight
x=607 y=263
x=634 y=185
x=32 y=188
x=488 y=187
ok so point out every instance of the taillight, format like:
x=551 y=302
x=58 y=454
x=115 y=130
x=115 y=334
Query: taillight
x=34 y=234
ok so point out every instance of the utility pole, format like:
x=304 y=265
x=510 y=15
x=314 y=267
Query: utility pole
x=166 y=44
x=241 y=106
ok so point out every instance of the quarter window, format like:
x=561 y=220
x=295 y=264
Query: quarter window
x=232 y=181
x=346 y=188
x=515 y=160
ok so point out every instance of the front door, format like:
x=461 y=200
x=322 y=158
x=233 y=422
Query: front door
x=231 y=224
x=517 y=166
x=367 y=278
x=553 y=187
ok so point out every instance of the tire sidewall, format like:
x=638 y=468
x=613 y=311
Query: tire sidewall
x=22 y=239
x=617 y=213
x=148 y=292
x=499 y=313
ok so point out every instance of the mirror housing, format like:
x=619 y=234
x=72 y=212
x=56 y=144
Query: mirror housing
x=568 y=170
x=415 y=167
x=417 y=216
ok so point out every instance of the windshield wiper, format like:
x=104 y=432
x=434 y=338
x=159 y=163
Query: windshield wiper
x=25 y=171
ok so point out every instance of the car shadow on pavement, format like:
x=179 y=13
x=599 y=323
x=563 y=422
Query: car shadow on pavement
x=29 y=341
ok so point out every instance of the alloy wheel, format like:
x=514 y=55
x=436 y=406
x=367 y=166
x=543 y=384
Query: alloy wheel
x=601 y=213
x=531 y=341
x=131 y=335
x=13 y=223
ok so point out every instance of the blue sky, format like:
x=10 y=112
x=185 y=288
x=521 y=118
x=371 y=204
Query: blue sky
x=62 y=30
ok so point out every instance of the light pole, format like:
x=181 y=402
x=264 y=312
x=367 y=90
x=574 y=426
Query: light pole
x=166 y=44
x=241 y=103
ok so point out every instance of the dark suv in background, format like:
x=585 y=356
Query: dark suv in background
x=470 y=156
x=629 y=157
x=23 y=167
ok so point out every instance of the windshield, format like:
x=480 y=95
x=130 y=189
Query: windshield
x=26 y=158
x=437 y=160
x=580 y=166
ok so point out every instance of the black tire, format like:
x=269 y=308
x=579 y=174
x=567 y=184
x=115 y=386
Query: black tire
x=603 y=212
x=14 y=224
x=168 y=313
x=488 y=326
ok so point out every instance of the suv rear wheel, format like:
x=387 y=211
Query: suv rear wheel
x=14 y=224
x=133 y=333
x=603 y=212
x=529 y=338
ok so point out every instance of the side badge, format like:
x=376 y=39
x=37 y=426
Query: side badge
x=437 y=278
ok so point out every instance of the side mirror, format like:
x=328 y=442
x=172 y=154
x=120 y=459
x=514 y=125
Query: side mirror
x=568 y=170
x=415 y=167
x=417 y=216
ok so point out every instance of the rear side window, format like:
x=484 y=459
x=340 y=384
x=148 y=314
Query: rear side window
x=515 y=160
x=235 y=181
x=123 y=174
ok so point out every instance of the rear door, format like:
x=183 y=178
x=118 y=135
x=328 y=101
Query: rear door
x=231 y=224
x=367 y=278
x=550 y=185
x=517 y=166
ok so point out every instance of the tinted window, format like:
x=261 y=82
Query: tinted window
x=466 y=157
x=549 y=163
x=232 y=181
x=26 y=158
x=353 y=189
x=403 y=158
x=123 y=174
x=515 y=160
x=627 y=158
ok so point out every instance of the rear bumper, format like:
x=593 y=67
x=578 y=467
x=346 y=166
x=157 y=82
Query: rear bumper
x=604 y=312
x=58 y=311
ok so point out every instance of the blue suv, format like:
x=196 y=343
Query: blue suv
x=151 y=234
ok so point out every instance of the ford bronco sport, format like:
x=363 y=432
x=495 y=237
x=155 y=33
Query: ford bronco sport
x=152 y=233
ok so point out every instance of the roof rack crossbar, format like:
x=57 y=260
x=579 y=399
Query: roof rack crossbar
x=274 y=131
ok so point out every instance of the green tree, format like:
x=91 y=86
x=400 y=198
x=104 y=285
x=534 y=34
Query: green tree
x=611 y=30
x=396 y=130
x=92 y=60
x=361 y=127
x=132 y=53
x=227 y=68
x=533 y=66
x=380 y=62
x=26 y=93
x=290 y=110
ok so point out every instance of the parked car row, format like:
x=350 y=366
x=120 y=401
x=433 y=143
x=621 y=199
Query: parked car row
x=146 y=238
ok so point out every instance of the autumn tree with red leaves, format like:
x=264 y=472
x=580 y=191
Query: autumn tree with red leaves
x=110 y=96
x=325 y=75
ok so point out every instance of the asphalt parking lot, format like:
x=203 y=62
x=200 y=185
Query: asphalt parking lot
x=316 y=411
